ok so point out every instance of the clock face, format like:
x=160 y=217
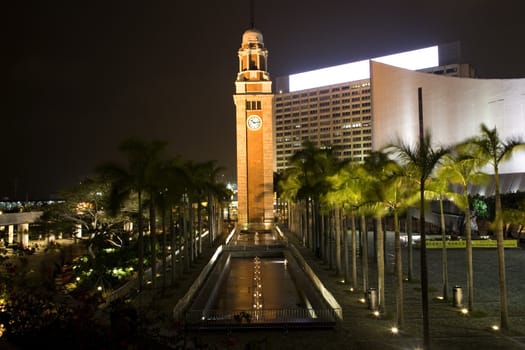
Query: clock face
x=254 y=122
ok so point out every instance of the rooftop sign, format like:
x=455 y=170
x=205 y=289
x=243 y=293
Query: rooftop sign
x=413 y=60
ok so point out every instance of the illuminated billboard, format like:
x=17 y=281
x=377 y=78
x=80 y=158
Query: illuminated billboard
x=413 y=60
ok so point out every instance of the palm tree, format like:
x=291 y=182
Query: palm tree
x=306 y=180
x=388 y=190
x=421 y=161
x=493 y=151
x=399 y=194
x=439 y=188
x=463 y=170
x=135 y=177
x=347 y=193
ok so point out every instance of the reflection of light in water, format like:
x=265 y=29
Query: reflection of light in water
x=257 y=294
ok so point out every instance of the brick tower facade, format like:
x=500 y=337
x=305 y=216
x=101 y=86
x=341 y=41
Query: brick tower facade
x=253 y=100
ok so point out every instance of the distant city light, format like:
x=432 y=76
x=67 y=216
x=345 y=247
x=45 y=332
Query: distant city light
x=360 y=70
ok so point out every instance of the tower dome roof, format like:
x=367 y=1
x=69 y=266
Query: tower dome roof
x=252 y=35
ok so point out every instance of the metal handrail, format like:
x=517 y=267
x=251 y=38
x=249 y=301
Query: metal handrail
x=263 y=316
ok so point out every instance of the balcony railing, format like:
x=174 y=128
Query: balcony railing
x=264 y=318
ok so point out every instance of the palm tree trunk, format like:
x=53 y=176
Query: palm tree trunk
x=153 y=240
x=399 y=273
x=173 y=248
x=410 y=257
x=309 y=235
x=364 y=256
x=211 y=219
x=443 y=250
x=191 y=233
x=187 y=236
x=199 y=229
x=380 y=255
x=423 y=263
x=140 y=243
x=346 y=246
x=504 y=316
x=470 y=272
x=354 y=251
x=164 y=251
x=337 y=224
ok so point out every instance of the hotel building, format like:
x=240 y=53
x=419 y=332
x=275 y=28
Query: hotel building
x=362 y=106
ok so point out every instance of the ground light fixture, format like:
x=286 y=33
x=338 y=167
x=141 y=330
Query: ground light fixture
x=394 y=330
x=464 y=311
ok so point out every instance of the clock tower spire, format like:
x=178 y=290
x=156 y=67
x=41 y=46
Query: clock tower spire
x=253 y=100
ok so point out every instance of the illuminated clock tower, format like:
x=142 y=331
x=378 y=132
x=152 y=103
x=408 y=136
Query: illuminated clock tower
x=254 y=123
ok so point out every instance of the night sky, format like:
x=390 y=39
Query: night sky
x=81 y=76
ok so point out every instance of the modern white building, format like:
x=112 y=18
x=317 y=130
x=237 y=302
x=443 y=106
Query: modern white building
x=362 y=106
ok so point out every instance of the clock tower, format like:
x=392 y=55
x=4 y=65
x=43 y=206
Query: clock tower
x=254 y=128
